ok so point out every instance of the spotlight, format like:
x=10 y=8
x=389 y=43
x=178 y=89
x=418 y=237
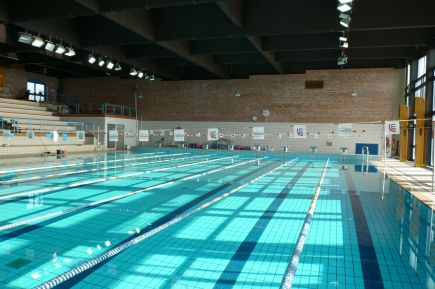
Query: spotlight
x=25 y=38
x=118 y=67
x=38 y=42
x=344 y=45
x=344 y=8
x=49 y=46
x=60 y=49
x=152 y=77
x=70 y=52
x=147 y=77
x=101 y=62
x=110 y=64
x=91 y=59
x=345 y=22
x=342 y=38
x=133 y=72
x=342 y=60
x=140 y=75
x=345 y=1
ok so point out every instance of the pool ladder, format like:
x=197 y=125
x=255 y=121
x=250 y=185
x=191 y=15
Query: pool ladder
x=365 y=153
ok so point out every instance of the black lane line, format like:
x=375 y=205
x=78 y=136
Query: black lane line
x=233 y=269
x=30 y=228
x=369 y=262
x=79 y=277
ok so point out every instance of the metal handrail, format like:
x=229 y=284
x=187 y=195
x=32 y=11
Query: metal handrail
x=365 y=152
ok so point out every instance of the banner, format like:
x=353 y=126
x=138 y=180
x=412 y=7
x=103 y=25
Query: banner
x=55 y=136
x=64 y=136
x=113 y=135
x=212 y=134
x=178 y=134
x=300 y=131
x=81 y=135
x=392 y=127
x=144 y=135
x=345 y=129
x=30 y=135
x=6 y=134
x=258 y=132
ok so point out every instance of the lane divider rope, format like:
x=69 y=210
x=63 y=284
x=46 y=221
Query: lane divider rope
x=114 y=198
x=118 y=249
x=287 y=281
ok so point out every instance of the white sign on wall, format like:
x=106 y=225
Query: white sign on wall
x=392 y=127
x=345 y=129
x=6 y=133
x=81 y=135
x=144 y=135
x=258 y=132
x=212 y=134
x=300 y=131
x=55 y=135
x=113 y=135
x=178 y=134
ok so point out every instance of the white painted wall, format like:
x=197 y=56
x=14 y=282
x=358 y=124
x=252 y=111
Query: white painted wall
x=373 y=134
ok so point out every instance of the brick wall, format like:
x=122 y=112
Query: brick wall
x=379 y=92
x=15 y=81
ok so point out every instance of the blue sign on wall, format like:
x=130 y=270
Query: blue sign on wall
x=373 y=148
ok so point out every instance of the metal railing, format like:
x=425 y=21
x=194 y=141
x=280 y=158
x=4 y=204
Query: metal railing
x=104 y=108
x=23 y=125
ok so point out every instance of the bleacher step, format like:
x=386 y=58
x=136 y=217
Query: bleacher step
x=17 y=101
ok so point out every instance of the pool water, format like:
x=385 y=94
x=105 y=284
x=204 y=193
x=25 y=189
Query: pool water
x=210 y=219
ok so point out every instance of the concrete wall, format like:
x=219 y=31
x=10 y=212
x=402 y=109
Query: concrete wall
x=379 y=92
x=328 y=141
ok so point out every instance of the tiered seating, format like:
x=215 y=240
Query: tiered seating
x=26 y=115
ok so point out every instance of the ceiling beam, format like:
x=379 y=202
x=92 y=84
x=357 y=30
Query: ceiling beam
x=116 y=5
x=234 y=11
x=140 y=22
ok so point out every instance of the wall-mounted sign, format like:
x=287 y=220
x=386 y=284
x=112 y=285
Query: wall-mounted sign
x=144 y=135
x=258 y=132
x=300 y=131
x=392 y=127
x=345 y=129
x=179 y=134
x=113 y=135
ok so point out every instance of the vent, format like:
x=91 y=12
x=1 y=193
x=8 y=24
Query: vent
x=314 y=84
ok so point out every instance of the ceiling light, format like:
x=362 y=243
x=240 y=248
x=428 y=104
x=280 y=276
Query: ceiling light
x=110 y=65
x=345 y=22
x=342 y=60
x=133 y=72
x=344 y=16
x=342 y=38
x=91 y=59
x=101 y=62
x=344 y=45
x=345 y=1
x=344 y=8
x=25 y=38
x=60 y=49
x=140 y=75
x=118 y=67
x=152 y=77
x=147 y=76
x=37 y=42
x=49 y=46
x=70 y=52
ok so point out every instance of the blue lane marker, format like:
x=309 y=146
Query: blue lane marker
x=233 y=269
x=369 y=262
x=78 y=278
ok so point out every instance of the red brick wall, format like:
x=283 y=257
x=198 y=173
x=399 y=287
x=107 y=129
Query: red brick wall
x=15 y=81
x=379 y=92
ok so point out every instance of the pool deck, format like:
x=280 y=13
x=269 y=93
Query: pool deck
x=416 y=180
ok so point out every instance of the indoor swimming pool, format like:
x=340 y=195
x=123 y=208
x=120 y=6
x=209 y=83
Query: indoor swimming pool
x=210 y=219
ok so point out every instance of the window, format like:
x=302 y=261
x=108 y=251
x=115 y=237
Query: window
x=421 y=72
x=421 y=69
x=37 y=90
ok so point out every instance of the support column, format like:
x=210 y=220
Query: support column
x=403 y=133
x=420 y=131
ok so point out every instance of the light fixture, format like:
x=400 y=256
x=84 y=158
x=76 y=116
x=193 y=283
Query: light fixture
x=25 y=38
x=147 y=76
x=342 y=60
x=110 y=64
x=345 y=1
x=70 y=52
x=344 y=45
x=101 y=62
x=345 y=22
x=344 y=8
x=152 y=77
x=49 y=46
x=118 y=67
x=140 y=75
x=343 y=38
x=133 y=72
x=91 y=59
x=37 y=42
x=60 y=49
